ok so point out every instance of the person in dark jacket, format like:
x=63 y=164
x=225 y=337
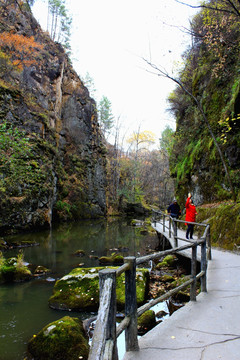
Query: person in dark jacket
x=174 y=209
x=190 y=215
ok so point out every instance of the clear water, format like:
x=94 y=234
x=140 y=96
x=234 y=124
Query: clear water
x=24 y=306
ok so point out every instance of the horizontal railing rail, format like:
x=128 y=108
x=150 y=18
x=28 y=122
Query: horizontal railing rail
x=104 y=342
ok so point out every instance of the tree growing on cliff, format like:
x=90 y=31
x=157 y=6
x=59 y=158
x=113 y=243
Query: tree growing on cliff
x=17 y=51
x=59 y=22
x=89 y=83
x=106 y=118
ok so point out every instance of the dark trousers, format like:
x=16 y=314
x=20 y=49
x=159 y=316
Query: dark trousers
x=190 y=231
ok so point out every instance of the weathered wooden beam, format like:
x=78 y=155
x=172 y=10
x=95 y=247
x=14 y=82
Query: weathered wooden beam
x=163 y=297
x=193 y=273
x=123 y=325
x=105 y=328
x=204 y=266
x=131 y=339
x=159 y=254
x=122 y=269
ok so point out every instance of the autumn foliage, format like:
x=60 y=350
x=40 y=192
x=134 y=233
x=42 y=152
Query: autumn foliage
x=18 y=50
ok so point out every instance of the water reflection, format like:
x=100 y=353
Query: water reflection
x=24 y=306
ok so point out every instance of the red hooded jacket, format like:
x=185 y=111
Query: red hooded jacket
x=190 y=211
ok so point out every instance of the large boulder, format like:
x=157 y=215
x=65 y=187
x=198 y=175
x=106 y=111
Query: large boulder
x=63 y=339
x=79 y=290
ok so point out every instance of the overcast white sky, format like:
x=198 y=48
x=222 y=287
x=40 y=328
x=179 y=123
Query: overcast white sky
x=109 y=39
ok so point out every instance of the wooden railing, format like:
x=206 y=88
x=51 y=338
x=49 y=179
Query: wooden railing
x=171 y=226
x=104 y=342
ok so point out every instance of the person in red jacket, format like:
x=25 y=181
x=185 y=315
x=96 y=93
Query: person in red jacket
x=190 y=216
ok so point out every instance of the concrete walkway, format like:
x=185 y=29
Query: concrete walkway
x=208 y=329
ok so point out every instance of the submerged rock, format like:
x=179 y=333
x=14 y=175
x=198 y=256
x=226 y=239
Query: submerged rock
x=146 y=322
x=79 y=253
x=79 y=290
x=3 y=244
x=114 y=259
x=63 y=339
x=13 y=270
x=41 y=270
x=136 y=222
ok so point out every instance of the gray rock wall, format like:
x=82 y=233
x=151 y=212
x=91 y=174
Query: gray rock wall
x=63 y=175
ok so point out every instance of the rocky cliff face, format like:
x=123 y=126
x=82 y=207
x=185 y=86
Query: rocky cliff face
x=53 y=164
x=205 y=157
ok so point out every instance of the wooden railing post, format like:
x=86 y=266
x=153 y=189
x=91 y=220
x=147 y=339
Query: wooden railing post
x=131 y=339
x=193 y=273
x=169 y=227
x=175 y=233
x=204 y=266
x=209 y=250
x=111 y=328
x=154 y=218
x=164 y=218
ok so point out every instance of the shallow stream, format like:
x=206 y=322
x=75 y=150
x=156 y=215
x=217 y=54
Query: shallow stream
x=24 y=306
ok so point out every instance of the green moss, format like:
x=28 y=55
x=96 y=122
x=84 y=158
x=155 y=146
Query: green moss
x=79 y=290
x=63 y=339
x=167 y=278
x=79 y=253
x=13 y=269
x=168 y=261
x=147 y=320
x=211 y=71
x=113 y=259
x=179 y=281
x=224 y=220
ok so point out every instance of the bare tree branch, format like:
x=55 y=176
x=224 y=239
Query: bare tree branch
x=235 y=11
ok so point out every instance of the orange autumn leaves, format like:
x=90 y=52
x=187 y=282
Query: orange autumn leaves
x=18 y=50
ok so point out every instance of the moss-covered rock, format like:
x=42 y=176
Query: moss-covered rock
x=63 y=339
x=146 y=322
x=224 y=221
x=114 y=259
x=136 y=222
x=143 y=227
x=168 y=261
x=3 y=244
x=179 y=281
x=14 y=269
x=41 y=270
x=166 y=278
x=79 y=290
x=79 y=253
